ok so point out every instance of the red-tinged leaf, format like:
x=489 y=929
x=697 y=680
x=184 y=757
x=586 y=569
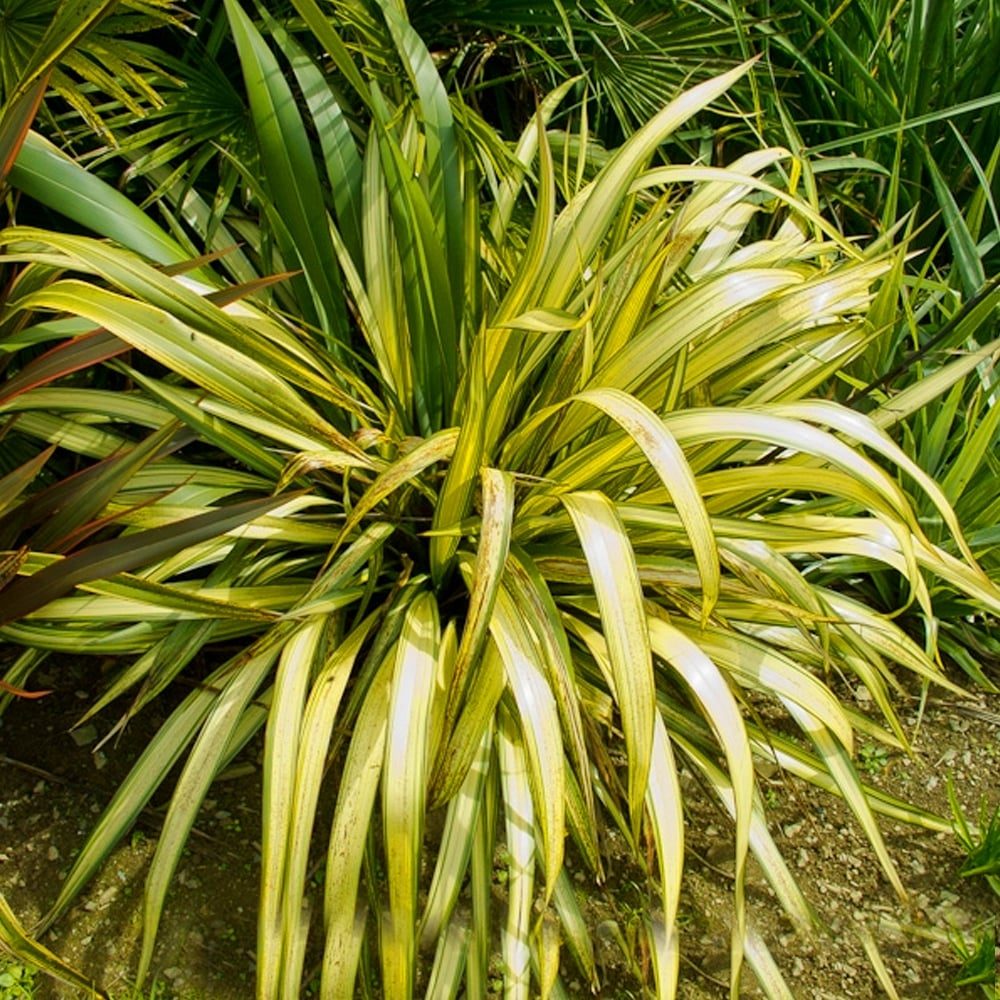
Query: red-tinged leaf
x=129 y=552
x=15 y=122
x=231 y=293
x=41 y=506
x=101 y=489
x=67 y=504
x=69 y=356
x=14 y=483
x=236 y=292
x=20 y=692
x=195 y=263
x=77 y=537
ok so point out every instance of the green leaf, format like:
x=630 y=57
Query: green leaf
x=290 y=173
x=206 y=759
x=45 y=174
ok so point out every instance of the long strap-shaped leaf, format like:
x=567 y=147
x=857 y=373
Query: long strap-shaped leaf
x=224 y=371
x=520 y=831
x=251 y=332
x=404 y=788
x=291 y=683
x=359 y=786
x=663 y=801
x=312 y=736
x=16 y=117
x=204 y=762
x=442 y=168
x=15 y=483
x=535 y=605
x=70 y=356
x=50 y=177
x=857 y=426
x=667 y=458
x=149 y=771
x=710 y=689
x=15 y=939
x=619 y=596
x=456 y=845
x=540 y=732
x=290 y=172
x=587 y=219
x=486 y=578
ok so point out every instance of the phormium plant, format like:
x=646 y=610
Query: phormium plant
x=502 y=502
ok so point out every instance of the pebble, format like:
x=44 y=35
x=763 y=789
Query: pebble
x=84 y=735
x=52 y=853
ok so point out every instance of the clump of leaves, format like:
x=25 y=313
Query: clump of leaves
x=874 y=757
x=981 y=842
x=979 y=961
x=17 y=981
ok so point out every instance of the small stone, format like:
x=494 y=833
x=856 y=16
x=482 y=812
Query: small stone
x=107 y=896
x=189 y=881
x=84 y=735
x=173 y=972
x=52 y=853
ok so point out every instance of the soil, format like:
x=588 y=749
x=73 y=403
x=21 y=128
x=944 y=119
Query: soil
x=53 y=785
